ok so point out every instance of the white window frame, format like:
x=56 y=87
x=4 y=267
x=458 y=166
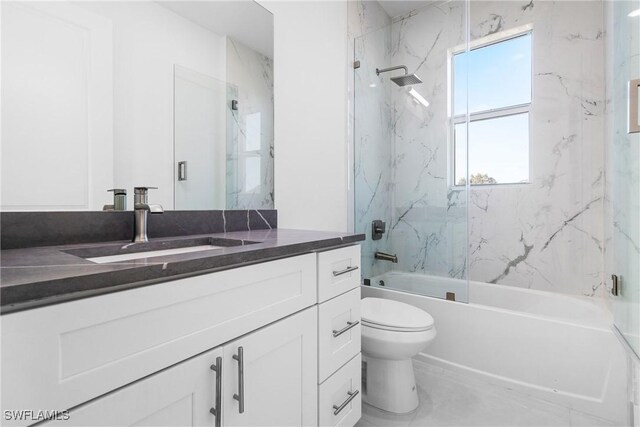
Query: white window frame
x=486 y=114
x=243 y=154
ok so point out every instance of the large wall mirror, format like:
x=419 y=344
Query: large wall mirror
x=116 y=94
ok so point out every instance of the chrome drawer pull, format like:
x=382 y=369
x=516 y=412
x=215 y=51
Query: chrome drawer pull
x=345 y=271
x=352 y=395
x=346 y=328
x=240 y=396
x=217 y=411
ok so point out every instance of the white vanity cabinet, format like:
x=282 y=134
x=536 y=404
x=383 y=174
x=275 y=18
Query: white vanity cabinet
x=277 y=386
x=144 y=356
x=339 y=329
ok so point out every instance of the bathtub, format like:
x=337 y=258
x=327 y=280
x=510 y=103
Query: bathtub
x=553 y=347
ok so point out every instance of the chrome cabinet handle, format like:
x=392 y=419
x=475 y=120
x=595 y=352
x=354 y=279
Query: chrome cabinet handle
x=240 y=396
x=352 y=395
x=217 y=410
x=346 y=328
x=345 y=271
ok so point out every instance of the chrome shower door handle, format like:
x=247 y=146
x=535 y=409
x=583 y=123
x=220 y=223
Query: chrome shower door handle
x=615 y=285
x=351 y=396
x=182 y=171
x=217 y=410
x=240 y=395
x=634 y=119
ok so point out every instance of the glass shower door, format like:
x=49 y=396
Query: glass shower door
x=625 y=165
x=404 y=134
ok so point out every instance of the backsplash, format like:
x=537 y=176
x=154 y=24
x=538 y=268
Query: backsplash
x=29 y=229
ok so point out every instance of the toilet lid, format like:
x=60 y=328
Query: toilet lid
x=394 y=315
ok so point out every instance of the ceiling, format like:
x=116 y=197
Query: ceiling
x=242 y=20
x=402 y=7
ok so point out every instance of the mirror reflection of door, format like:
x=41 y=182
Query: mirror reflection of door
x=89 y=93
x=200 y=140
x=223 y=134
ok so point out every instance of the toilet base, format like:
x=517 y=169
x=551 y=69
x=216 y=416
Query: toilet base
x=389 y=385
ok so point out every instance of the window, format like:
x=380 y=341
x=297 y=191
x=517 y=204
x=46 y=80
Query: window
x=494 y=82
x=252 y=153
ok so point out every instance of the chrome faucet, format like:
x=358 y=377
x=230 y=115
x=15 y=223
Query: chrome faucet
x=142 y=208
x=386 y=257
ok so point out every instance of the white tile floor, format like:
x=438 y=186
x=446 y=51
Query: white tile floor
x=448 y=399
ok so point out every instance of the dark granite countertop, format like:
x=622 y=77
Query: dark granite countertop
x=40 y=276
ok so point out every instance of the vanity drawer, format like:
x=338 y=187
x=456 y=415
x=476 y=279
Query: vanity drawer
x=339 y=332
x=59 y=356
x=340 y=399
x=338 y=271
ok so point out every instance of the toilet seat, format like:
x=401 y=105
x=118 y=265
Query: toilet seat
x=390 y=315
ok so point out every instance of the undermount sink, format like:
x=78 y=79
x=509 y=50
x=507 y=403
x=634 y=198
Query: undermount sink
x=132 y=251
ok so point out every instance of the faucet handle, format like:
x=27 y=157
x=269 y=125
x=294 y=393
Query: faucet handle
x=143 y=191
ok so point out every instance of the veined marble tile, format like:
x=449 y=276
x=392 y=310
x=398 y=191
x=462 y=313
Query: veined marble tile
x=548 y=234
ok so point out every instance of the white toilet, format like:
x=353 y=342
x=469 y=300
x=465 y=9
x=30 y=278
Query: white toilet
x=392 y=333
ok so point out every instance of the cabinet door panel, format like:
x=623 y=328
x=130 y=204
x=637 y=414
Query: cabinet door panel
x=279 y=369
x=178 y=396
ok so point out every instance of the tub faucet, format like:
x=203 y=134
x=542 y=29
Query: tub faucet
x=142 y=208
x=386 y=257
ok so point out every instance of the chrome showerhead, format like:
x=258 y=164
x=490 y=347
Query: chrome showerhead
x=406 y=80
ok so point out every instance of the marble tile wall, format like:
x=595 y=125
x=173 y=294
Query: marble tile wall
x=548 y=234
x=544 y=235
x=250 y=82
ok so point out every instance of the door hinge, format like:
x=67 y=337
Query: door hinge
x=356 y=65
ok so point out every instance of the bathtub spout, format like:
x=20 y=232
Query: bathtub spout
x=386 y=257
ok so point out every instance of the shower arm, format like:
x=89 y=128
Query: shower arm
x=399 y=67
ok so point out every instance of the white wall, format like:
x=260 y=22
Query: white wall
x=57 y=138
x=148 y=40
x=310 y=56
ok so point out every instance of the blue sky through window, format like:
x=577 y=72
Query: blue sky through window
x=496 y=76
